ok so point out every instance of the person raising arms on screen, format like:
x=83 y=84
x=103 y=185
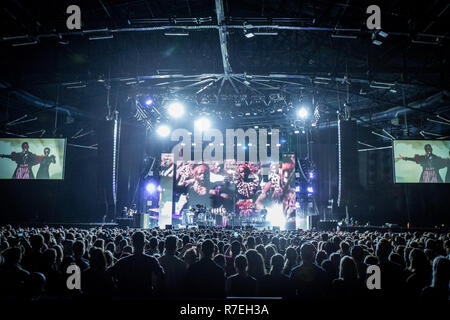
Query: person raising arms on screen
x=25 y=160
x=43 y=167
x=430 y=165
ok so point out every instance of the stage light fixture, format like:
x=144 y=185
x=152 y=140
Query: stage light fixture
x=202 y=124
x=163 y=130
x=310 y=190
x=297 y=189
x=149 y=101
x=175 y=109
x=302 y=113
x=249 y=35
x=151 y=188
x=311 y=175
x=378 y=36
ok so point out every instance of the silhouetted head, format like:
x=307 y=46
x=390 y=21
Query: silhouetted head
x=98 y=259
x=277 y=263
x=46 y=151
x=171 y=244
x=235 y=248
x=78 y=248
x=441 y=273
x=418 y=260
x=208 y=248
x=357 y=253
x=37 y=241
x=384 y=249
x=240 y=263
x=307 y=253
x=428 y=148
x=347 y=269
x=138 y=240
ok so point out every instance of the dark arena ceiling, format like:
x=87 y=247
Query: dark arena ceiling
x=315 y=53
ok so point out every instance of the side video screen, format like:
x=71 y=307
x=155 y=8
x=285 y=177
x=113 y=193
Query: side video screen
x=421 y=161
x=26 y=159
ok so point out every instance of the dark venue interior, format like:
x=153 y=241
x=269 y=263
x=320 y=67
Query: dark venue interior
x=140 y=105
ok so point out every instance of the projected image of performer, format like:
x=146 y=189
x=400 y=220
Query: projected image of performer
x=289 y=204
x=280 y=177
x=25 y=160
x=43 y=167
x=430 y=163
x=247 y=180
x=201 y=179
x=272 y=187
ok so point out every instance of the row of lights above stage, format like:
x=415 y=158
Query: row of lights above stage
x=176 y=110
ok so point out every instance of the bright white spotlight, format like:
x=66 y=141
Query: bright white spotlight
x=163 y=130
x=202 y=124
x=175 y=109
x=276 y=217
x=302 y=113
x=151 y=188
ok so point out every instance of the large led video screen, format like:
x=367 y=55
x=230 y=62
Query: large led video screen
x=238 y=188
x=29 y=159
x=421 y=161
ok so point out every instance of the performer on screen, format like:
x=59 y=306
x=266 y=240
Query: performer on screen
x=247 y=180
x=25 y=161
x=430 y=165
x=43 y=167
x=280 y=177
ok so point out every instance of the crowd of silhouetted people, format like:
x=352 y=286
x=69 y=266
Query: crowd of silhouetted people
x=213 y=263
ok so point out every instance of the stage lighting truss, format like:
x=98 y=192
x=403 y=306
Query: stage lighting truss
x=248 y=109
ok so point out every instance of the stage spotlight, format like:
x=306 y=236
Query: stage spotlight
x=297 y=189
x=276 y=217
x=149 y=101
x=249 y=35
x=311 y=175
x=310 y=190
x=302 y=113
x=175 y=109
x=151 y=188
x=163 y=130
x=202 y=124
